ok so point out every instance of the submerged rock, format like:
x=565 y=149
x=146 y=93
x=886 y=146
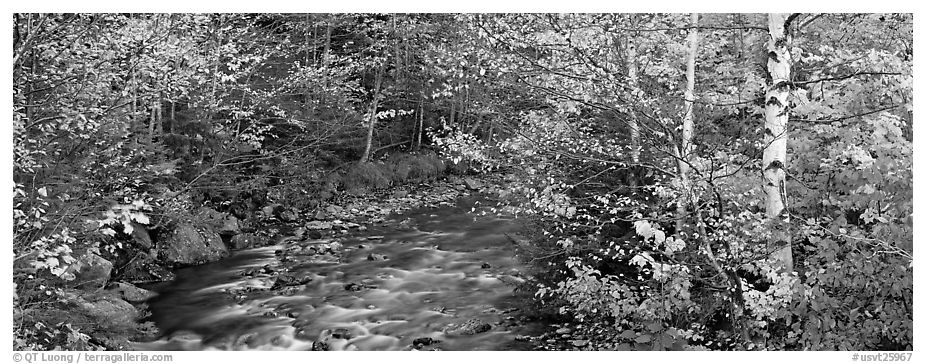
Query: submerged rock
x=470 y=327
x=376 y=257
x=318 y=225
x=353 y=287
x=292 y=279
x=319 y=346
x=424 y=341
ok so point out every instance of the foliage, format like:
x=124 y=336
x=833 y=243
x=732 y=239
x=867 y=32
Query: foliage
x=129 y=121
x=463 y=150
x=629 y=259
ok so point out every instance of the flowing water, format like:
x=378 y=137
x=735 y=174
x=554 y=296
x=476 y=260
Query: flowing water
x=447 y=283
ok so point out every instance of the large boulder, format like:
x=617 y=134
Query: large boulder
x=90 y=271
x=220 y=222
x=106 y=318
x=189 y=244
x=107 y=308
x=144 y=267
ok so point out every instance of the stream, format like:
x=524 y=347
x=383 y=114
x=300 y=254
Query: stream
x=436 y=278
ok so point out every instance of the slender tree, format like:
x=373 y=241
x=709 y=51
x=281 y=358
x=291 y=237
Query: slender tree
x=684 y=146
x=774 y=157
x=372 y=120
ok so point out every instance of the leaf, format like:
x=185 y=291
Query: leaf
x=127 y=226
x=660 y=236
x=141 y=218
x=108 y=231
x=43 y=192
x=643 y=228
x=642 y=339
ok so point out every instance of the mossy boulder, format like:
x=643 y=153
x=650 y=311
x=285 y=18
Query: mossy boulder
x=190 y=244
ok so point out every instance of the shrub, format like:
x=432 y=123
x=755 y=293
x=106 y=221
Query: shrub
x=363 y=176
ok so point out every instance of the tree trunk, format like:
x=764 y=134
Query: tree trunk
x=314 y=46
x=213 y=101
x=306 y=91
x=684 y=151
x=327 y=44
x=475 y=127
x=325 y=58
x=159 y=127
x=153 y=120
x=397 y=54
x=173 y=116
x=632 y=122
x=774 y=157
x=420 y=124
x=372 y=121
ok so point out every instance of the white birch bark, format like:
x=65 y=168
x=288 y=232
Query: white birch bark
x=633 y=123
x=774 y=156
x=684 y=150
x=372 y=123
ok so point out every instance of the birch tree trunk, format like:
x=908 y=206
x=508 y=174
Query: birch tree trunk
x=684 y=150
x=633 y=123
x=420 y=124
x=774 y=156
x=372 y=121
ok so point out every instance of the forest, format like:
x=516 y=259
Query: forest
x=522 y=181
